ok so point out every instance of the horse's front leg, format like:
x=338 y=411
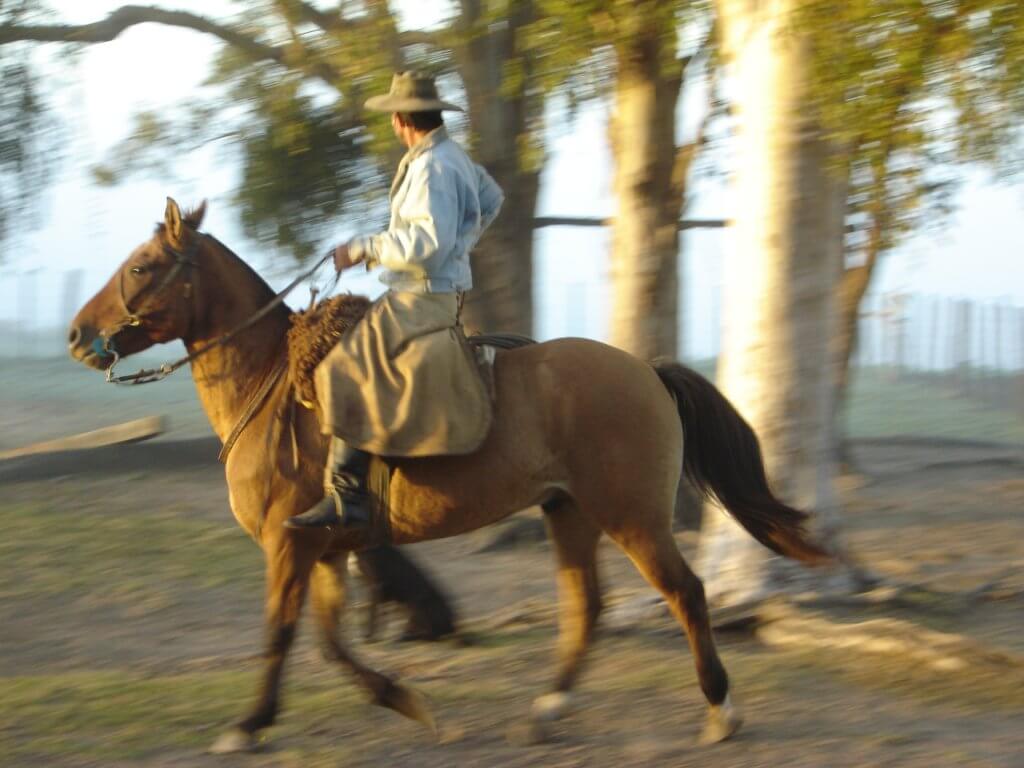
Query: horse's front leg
x=290 y=559
x=328 y=592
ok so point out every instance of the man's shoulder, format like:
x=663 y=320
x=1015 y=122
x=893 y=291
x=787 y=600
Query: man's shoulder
x=447 y=152
x=445 y=159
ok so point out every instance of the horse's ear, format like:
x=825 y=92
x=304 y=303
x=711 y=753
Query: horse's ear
x=172 y=220
x=194 y=218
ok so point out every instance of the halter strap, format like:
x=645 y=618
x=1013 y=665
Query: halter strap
x=135 y=318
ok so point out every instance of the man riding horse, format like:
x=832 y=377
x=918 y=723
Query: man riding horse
x=400 y=382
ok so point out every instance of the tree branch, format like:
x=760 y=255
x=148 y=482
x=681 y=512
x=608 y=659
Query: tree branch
x=687 y=153
x=128 y=16
x=132 y=15
x=298 y=10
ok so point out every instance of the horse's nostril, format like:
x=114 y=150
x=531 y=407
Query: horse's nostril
x=74 y=336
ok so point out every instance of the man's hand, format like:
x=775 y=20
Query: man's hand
x=342 y=259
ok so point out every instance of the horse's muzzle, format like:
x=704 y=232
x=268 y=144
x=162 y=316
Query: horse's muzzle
x=92 y=353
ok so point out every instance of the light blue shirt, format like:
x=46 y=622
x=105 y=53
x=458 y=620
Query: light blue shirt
x=441 y=202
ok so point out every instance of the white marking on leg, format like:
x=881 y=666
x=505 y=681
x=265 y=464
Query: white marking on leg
x=725 y=708
x=233 y=741
x=551 y=706
x=723 y=721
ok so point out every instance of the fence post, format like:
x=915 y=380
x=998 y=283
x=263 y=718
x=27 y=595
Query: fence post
x=26 y=323
x=69 y=303
x=1020 y=360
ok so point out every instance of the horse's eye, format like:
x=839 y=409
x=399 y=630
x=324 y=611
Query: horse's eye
x=138 y=270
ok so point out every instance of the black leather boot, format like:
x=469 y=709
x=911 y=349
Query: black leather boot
x=346 y=501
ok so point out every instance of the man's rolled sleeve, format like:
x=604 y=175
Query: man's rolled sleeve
x=361 y=250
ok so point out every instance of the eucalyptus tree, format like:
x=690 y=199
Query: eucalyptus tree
x=849 y=115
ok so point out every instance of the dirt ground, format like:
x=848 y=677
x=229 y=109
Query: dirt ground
x=130 y=626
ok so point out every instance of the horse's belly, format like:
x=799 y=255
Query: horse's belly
x=514 y=468
x=437 y=498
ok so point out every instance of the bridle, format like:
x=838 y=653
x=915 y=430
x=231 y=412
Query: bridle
x=137 y=318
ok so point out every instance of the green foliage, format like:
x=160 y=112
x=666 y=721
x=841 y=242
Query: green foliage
x=300 y=172
x=574 y=45
x=908 y=89
x=304 y=162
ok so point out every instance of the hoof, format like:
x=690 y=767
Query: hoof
x=527 y=734
x=723 y=721
x=550 y=707
x=352 y=564
x=235 y=740
x=412 y=704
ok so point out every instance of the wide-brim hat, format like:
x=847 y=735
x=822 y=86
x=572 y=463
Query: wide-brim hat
x=410 y=92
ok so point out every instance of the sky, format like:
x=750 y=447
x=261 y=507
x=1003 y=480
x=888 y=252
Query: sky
x=977 y=255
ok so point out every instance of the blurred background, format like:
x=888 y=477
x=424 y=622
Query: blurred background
x=816 y=203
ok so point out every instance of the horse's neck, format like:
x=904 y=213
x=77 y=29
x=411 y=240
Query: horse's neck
x=228 y=375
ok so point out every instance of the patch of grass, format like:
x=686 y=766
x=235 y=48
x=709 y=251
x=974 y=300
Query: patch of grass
x=881 y=406
x=107 y=716
x=49 y=552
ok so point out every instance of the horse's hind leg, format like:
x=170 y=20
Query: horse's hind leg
x=575 y=536
x=659 y=561
x=328 y=596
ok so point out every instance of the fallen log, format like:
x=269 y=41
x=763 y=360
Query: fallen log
x=128 y=432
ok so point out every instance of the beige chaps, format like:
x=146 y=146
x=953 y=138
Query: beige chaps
x=403 y=381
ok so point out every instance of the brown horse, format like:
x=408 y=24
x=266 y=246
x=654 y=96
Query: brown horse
x=589 y=432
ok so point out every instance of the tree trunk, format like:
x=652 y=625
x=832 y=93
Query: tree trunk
x=501 y=117
x=645 y=239
x=850 y=292
x=781 y=273
x=502 y=296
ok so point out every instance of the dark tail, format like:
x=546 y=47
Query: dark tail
x=722 y=458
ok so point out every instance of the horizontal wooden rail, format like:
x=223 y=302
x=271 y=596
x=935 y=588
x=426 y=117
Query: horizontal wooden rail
x=587 y=221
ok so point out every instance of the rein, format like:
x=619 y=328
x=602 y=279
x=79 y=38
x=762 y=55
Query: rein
x=134 y=319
